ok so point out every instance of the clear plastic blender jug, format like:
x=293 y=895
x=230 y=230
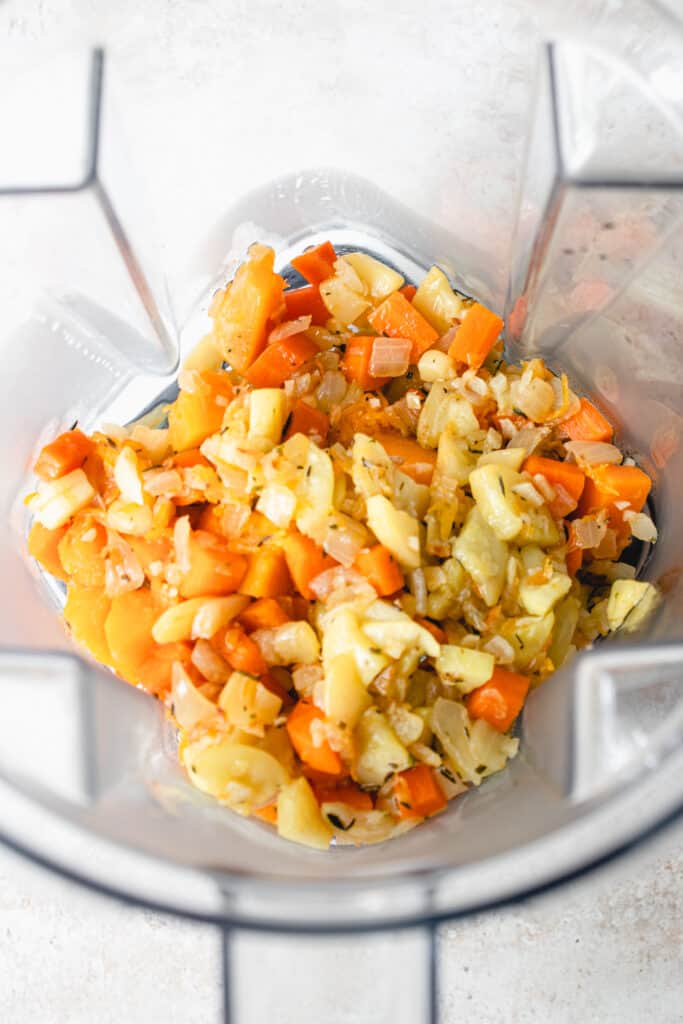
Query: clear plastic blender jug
x=585 y=259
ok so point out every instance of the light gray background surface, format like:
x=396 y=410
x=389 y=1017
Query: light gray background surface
x=607 y=950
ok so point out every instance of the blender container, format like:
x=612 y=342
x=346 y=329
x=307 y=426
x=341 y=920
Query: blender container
x=581 y=249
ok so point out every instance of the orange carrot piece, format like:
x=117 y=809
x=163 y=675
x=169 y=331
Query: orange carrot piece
x=190 y=457
x=408 y=291
x=267 y=814
x=437 y=632
x=316 y=264
x=499 y=700
x=418 y=794
x=574 y=560
x=476 y=336
x=569 y=477
x=349 y=794
x=295 y=607
x=85 y=613
x=382 y=572
x=43 y=545
x=305 y=561
x=256 y=531
x=128 y=631
x=410 y=457
x=265 y=613
x=606 y=485
x=588 y=424
x=267 y=574
x=309 y=421
x=83 y=559
x=306 y=302
x=276 y=687
x=214 y=569
x=321 y=758
x=242 y=653
x=66 y=453
x=399 y=319
x=155 y=673
x=242 y=313
x=355 y=364
x=196 y=414
x=278 y=361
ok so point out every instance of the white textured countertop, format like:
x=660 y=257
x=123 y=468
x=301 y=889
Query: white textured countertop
x=608 y=949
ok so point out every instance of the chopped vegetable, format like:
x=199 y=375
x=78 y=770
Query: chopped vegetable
x=417 y=793
x=306 y=302
x=356 y=363
x=499 y=700
x=267 y=574
x=266 y=613
x=399 y=319
x=278 y=361
x=197 y=414
x=305 y=560
x=242 y=312
x=567 y=478
x=66 y=453
x=476 y=336
x=316 y=264
x=43 y=545
x=410 y=457
x=588 y=424
x=308 y=420
x=313 y=749
x=378 y=565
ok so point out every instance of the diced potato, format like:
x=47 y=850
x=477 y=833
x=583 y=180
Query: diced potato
x=510 y=457
x=267 y=414
x=462 y=419
x=452 y=725
x=409 y=496
x=566 y=621
x=374 y=826
x=299 y=817
x=190 y=706
x=129 y=518
x=128 y=477
x=379 y=752
x=247 y=704
x=629 y=604
x=483 y=555
x=342 y=634
x=314 y=488
x=205 y=355
x=379 y=279
x=396 y=529
x=289 y=644
x=466 y=667
x=453 y=460
x=491 y=749
x=345 y=697
x=492 y=490
x=242 y=776
x=529 y=636
x=395 y=638
x=344 y=304
x=372 y=470
x=277 y=503
x=537 y=599
x=539 y=527
x=437 y=301
x=408 y=725
x=435 y=365
x=56 y=501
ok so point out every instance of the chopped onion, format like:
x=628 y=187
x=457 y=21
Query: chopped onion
x=535 y=397
x=277 y=503
x=564 y=503
x=343 y=540
x=122 y=569
x=593 y=453
x=529 y=437
x=181 y=543
x=305 y=677
x=588 y=532
x=209 y=662
x=190 y=381
x=189 y=707
x=162 y=482
x=332 y=390
x=390 y=357
x=527 y=491
x=234 y=518
x=418 y=588
x=642 y=527
x=290 y=327
x=339 y=585
x=447 y=339
x=502 y=651
x=546 y=488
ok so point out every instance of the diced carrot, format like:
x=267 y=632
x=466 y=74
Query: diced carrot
x=85 y=613
x=256 y=531
x=588 y=424
x=568 y=476
x=408 y=291
x=267 y=574
x=309 y=421
x=418 y=794
x=197 y=414
x=43 y=545
x=606 y=485
x=574 y=560
x=499 y=700
x=476 y=336
x=82 y=551
x=150 y=551
x=355 y=364
x=437 y=632
x=321 y=758
x=242 y=653
x=410 y=457
x=278 y=361
x=190 y=457
x=155 y=673
x=306 y=302
x=378 y=565
x=316 y=264
x=267 y=814
x=242 y=313
x=66 y=453
x=305 y=561
x=398 y=318
x=265 y=613
x=273 y=685
x=295 y=607
x=214 y=569
x=348 y=793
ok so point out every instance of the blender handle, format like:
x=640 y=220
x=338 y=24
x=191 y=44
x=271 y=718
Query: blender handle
x=393 y=975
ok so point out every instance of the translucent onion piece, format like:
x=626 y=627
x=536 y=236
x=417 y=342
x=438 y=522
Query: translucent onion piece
x=290 y=327
x=588 y=532
x=189 y=707
x=593 y=453
x=390 y=357
x=209 y=663
x=181 y=543
x=332 y=390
